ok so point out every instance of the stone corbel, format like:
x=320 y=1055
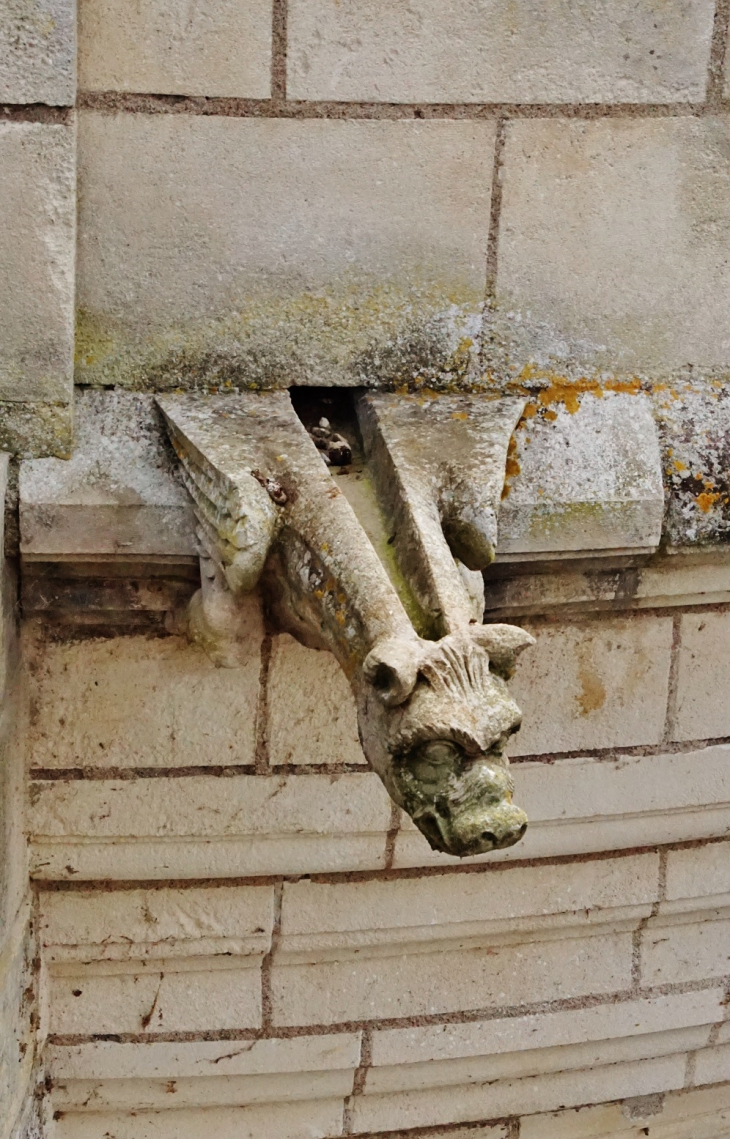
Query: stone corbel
x=429 y=678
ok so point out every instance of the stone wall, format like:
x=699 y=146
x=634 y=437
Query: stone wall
x=233 y=913
x=339 y=193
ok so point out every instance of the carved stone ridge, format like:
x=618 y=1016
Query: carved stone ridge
x=382 y=567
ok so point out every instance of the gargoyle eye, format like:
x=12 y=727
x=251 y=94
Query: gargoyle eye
x=434 y=760
x=440 y=751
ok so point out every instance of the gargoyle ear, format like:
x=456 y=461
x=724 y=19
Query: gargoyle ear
x=392 y=669
x=503 y=643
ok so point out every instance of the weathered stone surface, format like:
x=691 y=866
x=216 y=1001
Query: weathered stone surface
x=594 y=683
x=118 y=494
x=584 y=474
x=315 y=1119
x=358 y=256
x=37 y=51
x=694 y=422
x=206 y=826
x=18 y=996
x=529 y=1095
x=138 y=702
x=506 y=905
x=312 y=714
x=404 y=985
x=677 y=952
x=603 y=269
x=423 y=1048
x=36 y=283
x=221 y=48
x=699 y=873
x=471 y=51
x=697 y=1114
x=703 y=678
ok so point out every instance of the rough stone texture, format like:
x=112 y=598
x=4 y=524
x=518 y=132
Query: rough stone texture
x=118 y=494
x=584 y=474
x=685 y=952
x=426 y=1047
x=315 y=1119
x=472 y=51
x=702 y=872
x=37 y=238
x=613 y=248
x=140 y=702
x=37 y=51
x=207 y=826
x=18 y=994
x=359 y=255
x=703 y=677
x=696 y=1114
x=312 y=715
x=496 y=975
x=694 y=422
x=219 y=48
x=528 y=1095
x=319 y=917
x=593 y=684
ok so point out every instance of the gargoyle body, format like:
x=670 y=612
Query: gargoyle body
x=434 y=711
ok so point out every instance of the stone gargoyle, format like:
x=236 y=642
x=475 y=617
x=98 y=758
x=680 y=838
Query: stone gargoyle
x=429 y=678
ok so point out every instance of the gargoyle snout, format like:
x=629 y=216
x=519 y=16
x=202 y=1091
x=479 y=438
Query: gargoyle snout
x=476 y=815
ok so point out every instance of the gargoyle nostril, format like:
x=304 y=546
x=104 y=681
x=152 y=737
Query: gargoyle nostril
x=487 y=836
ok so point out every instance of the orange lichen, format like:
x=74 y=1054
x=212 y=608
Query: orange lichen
x=707 y=500
x=512 y=466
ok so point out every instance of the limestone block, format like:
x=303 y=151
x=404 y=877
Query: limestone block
x=38 y=51
x=207 y=826
x=681 y=951
x=155 y=960
x=694 y=421
x=223 y=48
x=581 y=805
x=18 y=996
x=585 y=475
x=404 y=985
x=145 y=924
x=699 y=873
x=5 y=606
x=688 y=578
x=322 y=917
x=141 y=702
x=602 y=269
x=205 y=1073
x=703 y=679
x=696 y=1114
x=593 y=684
x=511 y=1097
x=359 y=253
x=418 y=1050
x=118 y=493
x=155 y=998
x=312 y=715
x=492 y=52
x=37 y=276
x=713 y=1065
x=317 y=1119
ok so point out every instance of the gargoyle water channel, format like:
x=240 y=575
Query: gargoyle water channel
x=379 y=561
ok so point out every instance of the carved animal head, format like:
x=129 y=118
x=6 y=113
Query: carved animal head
x=434 y=725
